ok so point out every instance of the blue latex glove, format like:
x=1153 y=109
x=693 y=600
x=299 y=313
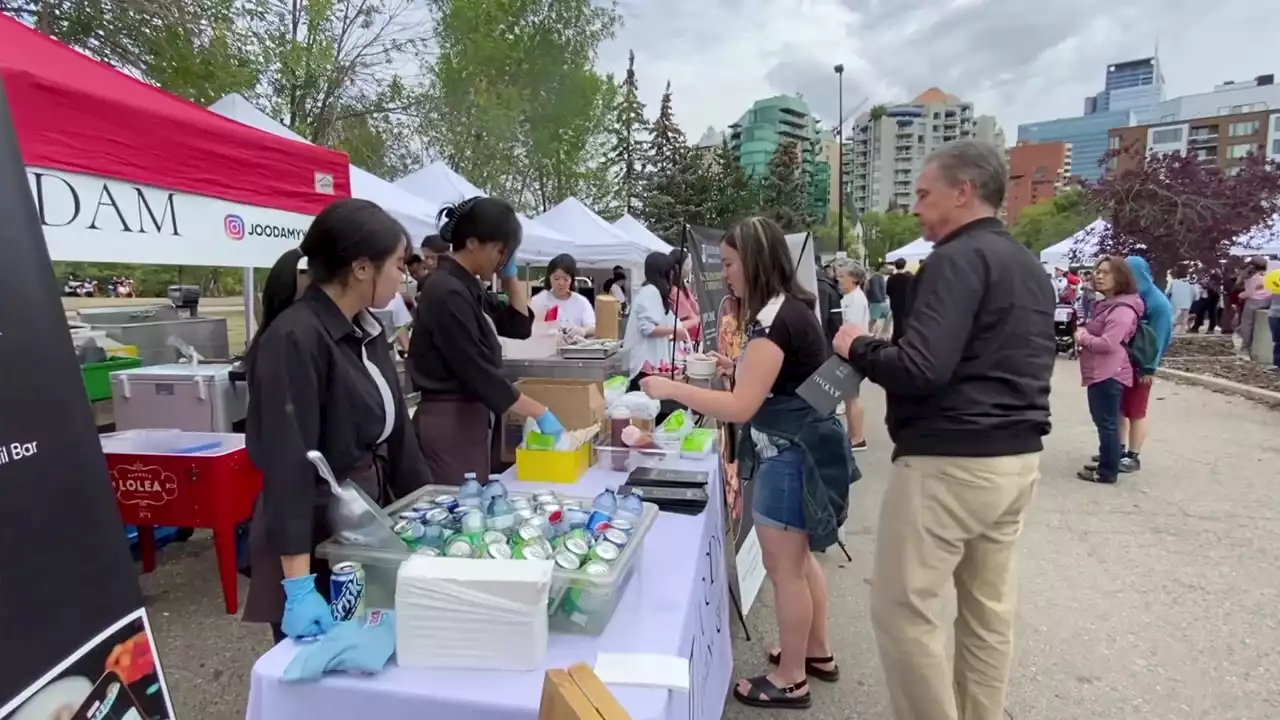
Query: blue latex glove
x=510 y=270
x=549 y=425
x=306 y=614
x=363 y=645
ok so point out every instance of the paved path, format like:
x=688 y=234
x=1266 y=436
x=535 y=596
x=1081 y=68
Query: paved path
x=1155 y=599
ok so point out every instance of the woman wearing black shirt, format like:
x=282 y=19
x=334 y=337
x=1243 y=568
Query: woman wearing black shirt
x=321 y=378
x=800 y=460
x=455 y=359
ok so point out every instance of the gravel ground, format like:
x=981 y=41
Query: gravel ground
x=1151 y=600
x=1245 y=372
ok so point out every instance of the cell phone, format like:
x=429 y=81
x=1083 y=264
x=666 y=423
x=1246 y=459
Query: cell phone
x=110 y=699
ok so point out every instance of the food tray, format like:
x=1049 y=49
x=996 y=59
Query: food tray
x=589 y=351
x=579 y=603
x=626 y=459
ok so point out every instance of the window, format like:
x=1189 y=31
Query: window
x=1275 y=147
x=1240 y=150
x=1113 y=143
x=1242 y=128
x=1166 y=136
x=1275 y=123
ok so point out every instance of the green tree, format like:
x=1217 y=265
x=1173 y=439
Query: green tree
x=884 y=232
x=733 y=195
x=666 y=200
x=629 y=152
x=514 y=99
x=826 y=237
x=784 y=196
x=1052 y=220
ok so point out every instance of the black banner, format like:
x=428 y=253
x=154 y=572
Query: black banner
x=68 y=577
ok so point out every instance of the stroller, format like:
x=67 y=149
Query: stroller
x=1065 y=320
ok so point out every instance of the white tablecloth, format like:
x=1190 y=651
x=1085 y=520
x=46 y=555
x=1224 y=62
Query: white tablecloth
x=677 y=603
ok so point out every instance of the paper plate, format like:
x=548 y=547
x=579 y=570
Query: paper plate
x=1271 y=281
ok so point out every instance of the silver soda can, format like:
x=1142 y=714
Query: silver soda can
x=428 y=551
x=494 y=536
x=623 y=525
x=568 y=560
x=615 y=536
x=449 y=502
x=576 y=545
x=437 y=516
x=409 y=515
x=605 y=551
x=459 y=548
x=498 y=551
x=595 y=567
x=424 y=507
x=528 y=532
x=534 y=552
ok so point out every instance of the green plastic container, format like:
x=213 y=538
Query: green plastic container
x=97 y=376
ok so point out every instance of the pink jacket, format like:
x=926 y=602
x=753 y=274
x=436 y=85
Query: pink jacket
x=687 y=305
x=1102 y=352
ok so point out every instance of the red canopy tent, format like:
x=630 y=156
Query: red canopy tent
x=76 y=114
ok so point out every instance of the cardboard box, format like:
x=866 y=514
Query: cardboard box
x=577 y=694
x=576 y=403
x=608 y=326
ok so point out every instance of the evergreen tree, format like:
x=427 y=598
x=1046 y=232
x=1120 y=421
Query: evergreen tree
x=629 y=153
x=732 y=194
x=784 y=195
x=665 y=191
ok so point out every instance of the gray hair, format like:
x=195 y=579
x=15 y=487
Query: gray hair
x=847 y=266
x=973 y=161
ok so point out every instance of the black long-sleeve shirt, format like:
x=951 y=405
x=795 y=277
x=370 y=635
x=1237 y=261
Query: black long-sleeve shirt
x=317 y=382
x=455 y=348
x=970 y=376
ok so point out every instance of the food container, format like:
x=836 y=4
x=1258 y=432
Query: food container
x=553 y=466
x=582 y=601
x=627 y=459
x=700 y=366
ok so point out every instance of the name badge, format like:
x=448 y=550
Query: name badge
x=835 y=381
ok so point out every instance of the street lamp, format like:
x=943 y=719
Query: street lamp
x=840 y=158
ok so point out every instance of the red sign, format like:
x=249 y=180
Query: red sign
x=143 y=485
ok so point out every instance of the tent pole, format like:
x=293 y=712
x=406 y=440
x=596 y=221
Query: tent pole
x=250 y=326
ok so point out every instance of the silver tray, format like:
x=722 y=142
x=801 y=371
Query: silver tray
x=589 y=351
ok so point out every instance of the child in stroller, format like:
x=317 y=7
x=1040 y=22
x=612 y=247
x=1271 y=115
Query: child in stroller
x=1065 y=320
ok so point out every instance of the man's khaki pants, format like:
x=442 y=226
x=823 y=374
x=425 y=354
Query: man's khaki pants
x=949 y=518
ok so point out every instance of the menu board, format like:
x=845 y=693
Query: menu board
x=75 y=634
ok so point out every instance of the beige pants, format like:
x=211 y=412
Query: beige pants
x=943 y=519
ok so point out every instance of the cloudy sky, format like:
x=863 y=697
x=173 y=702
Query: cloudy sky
x=1016 y=59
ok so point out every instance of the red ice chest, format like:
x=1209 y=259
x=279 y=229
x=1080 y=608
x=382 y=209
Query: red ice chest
x=184 y=479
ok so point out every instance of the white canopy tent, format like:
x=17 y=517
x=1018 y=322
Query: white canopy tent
x=1262 y=240
x=596 y=243
x=914 y=251
x=415 y=213
x=636 y=230
x=439 y=182
x=1084 y=243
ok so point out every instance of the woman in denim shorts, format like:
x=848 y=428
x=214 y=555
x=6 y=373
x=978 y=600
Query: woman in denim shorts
x=797 y=460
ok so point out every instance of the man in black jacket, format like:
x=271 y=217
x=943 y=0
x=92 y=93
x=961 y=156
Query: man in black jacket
x=898 y=287
x=968 y=406
x=829 y=297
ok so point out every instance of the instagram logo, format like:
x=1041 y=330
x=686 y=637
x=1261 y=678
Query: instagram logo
x=234 y=226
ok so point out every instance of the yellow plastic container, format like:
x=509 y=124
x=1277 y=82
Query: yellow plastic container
x=553 y=466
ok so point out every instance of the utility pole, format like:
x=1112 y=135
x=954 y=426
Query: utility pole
x=840 y=158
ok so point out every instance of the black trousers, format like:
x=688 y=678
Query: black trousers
x=1205 y=308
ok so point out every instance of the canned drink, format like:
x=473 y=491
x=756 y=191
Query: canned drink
x=409 y=515
x=449 y=502
x=546 y=547
x=581 y=534
x=598 y=522
x=595 y=567
x=605 y=551
x=528 y=532
x=424 y=507
x=459 y=548
x=493 y=536
x=532 y=551
x=577 y=546
x=524 y=513
x=623 y=525
x=346 y=588
x=437 y=516
x=428 y=551
x=568 y=560
x=549 y=508
x=539 y=522
x=575 y=517
x=410 y=531
x=615 y=536
x=497 y=551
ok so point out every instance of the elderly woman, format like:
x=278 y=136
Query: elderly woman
x=855 y=310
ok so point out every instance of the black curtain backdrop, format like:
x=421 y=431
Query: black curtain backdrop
x=67 y=574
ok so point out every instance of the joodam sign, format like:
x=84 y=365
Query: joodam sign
x=95 y=219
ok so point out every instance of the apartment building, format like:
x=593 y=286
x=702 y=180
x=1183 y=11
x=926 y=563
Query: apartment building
x=1228 y=98
x=1221 y=139
x=887 y=146
x=770 y=122
x=1037 y=171
x=1131 y=85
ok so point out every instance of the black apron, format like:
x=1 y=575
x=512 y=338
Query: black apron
x=454 y=432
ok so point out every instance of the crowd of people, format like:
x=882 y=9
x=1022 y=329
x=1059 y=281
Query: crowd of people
x=963 y=348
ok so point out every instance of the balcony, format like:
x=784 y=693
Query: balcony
x=1202 y=140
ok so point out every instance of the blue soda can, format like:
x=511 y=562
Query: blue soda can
x=413 y=515
x=597 y=522
x=346 y=590
x=447 y=502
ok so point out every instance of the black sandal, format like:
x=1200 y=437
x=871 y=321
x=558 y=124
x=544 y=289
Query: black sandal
x=1093 y=477
x=811 y=666
x=761 y=692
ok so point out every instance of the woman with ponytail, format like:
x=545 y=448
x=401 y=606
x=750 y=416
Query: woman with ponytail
x=455 y=359
x=321 y=378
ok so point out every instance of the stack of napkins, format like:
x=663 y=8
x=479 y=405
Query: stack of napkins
x=472 y=614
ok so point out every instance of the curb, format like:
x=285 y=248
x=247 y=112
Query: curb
x=1266 y=397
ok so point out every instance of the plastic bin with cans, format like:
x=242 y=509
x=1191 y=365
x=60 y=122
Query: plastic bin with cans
x=581 y=602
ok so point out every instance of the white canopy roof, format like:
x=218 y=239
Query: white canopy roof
x=1262 y=240
x=1084 y=242
x=917 y=249
x=596 y=243
x=416 y=213
x=636 y=230
x=439 y=181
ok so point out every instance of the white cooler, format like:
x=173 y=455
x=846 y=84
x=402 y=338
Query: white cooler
x=196 y=398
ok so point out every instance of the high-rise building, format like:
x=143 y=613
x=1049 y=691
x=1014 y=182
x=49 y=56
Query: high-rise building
x=1037 y=171
x=1132 y=85
x=1086 y=134
x=1229 y=98
x=829 y=152
x=771 y=122
x=1222 y=139
x=888 y=145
